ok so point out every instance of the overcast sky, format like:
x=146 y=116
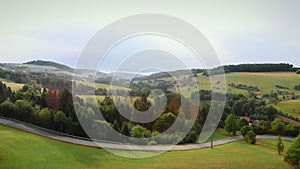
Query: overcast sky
x=240 y=31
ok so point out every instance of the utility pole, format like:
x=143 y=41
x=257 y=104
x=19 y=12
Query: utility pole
x=211 y=142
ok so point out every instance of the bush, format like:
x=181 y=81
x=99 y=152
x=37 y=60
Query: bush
x=278 y=126
x=152 y=143
x=280 y=146
x=192 y=137
x=7 y=109
x=250 y=137
x=244 y=130
x=139 y=132
x=293 y=154
x=24 y=110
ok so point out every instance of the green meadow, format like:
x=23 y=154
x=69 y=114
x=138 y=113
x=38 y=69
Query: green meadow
x=20 y=150
x=290 y=107
x=266 y=82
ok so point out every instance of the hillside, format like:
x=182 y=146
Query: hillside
x=47 y=153
x=49 y=63
x=265 y=67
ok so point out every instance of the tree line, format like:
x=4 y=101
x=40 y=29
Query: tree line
x=250 y=68
x=54 y=109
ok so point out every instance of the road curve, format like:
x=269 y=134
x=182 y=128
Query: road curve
x=111 y=145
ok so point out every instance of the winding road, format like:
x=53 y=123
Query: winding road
x=111 y=145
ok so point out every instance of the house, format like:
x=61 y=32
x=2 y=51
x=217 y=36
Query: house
x=258 y=96
x=177 y=84
x=289 y=96
x=245 y=118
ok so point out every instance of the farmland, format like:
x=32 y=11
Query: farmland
x=266 y=82
x=290 y=107
x=13 y=86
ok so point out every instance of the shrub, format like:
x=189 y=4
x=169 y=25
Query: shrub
x=293 y=153
x=250 y=137
x=192 y=137
x=7 y=109
x=280 y=146
x=244 y=130
x=152 y=143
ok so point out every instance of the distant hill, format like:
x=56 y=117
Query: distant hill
x=171 y=73
x=49 y=63
x=267 y=67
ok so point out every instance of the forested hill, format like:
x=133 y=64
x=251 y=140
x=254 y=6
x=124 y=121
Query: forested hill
x=270 y=67
x=49 y=63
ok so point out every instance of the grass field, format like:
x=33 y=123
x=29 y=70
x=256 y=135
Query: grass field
x=103 y=86
x=290 y=121
x=13 y=86
x=101 y=98
x=21 y=150
x=290 y=107
x=266 y=82
x=220 y=134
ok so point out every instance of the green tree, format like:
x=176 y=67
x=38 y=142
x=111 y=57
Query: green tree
x=60 y=118
x=265 y=125
x=231 y=124
x=192 y=137
x=164 y=122
x=125 y=130
x=243 y=123
x=24 y=110
x=298 y=71
x=250 y=137
x=45 y=118
x=65 y=103
x=278 y=126
x=280 y=146
x=244 y=130
x=293 y=153
x=5 y=92
x=139 y=132
x=8 y=109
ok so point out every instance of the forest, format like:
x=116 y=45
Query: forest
x=54 y=109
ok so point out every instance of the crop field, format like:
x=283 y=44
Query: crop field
x=101 y=98
x=103 y=86
x=13 y=86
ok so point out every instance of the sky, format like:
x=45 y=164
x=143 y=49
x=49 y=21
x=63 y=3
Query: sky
x=240 y=31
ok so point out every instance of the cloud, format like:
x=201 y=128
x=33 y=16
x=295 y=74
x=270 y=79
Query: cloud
x=240 y=31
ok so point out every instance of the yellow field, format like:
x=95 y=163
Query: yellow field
x=103 y=86
x=13 y=86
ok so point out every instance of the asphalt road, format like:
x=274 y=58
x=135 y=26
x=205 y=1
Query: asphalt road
x=111 y=145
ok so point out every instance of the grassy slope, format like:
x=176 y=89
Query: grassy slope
x=101 y=98
x=104 y=86
x=13 y=86
x=19 y=149
x=291 y=107
x=266 y=82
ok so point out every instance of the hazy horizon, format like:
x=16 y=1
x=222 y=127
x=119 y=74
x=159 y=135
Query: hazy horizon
x=240 y=32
